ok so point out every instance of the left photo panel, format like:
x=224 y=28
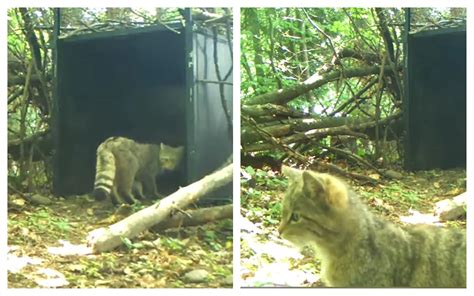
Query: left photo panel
x=120 y=147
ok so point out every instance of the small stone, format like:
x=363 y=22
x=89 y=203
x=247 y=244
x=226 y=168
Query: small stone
x=196 y=276
x=40 y=200
x=393 y=174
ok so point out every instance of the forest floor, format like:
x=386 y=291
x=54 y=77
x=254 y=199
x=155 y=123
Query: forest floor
x=187 y=257
x=269 y=261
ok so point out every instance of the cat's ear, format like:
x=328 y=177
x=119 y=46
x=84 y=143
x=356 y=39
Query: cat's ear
x=290 y=172
x=312 y=184
x=333 y=190
x=338 y=194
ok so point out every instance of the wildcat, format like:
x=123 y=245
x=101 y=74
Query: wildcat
x=359 y=249
x=127 y=170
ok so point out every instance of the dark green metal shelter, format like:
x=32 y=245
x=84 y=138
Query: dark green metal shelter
x=435 y=99
x=153 y=84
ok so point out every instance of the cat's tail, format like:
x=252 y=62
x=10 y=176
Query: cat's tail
x=105 y=172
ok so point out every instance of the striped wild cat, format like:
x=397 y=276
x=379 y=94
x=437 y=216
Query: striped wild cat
x=358 y=248
x=126 y=170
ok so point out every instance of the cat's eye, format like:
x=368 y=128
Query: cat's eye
x=295 y=217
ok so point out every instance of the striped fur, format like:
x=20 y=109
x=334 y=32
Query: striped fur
x=359 y=249
x=105 y=173
x=126 y=170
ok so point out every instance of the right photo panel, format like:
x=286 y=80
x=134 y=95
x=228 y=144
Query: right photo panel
x=353 y=147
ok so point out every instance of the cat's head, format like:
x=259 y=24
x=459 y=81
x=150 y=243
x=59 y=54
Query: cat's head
x=170 y=157
x=313 y=208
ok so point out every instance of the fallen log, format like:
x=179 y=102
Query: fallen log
x=108 y=238
x=283 y=96
x=290 y=126
x=195 y=217
x=311 y=163
x=360 y=130
x=271 y=110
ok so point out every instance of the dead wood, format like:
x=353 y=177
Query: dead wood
x=360 y=130
x=271 y=110
x=283 y=96
x=107 y=238
x=355 y=99
x=354 y=127
x=42 y=142
x=195 y=217
x=20 y=80
x=308 y=162
x=367 y=57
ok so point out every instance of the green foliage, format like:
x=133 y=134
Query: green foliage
x=360 y=150
x=62 y=225
x=274 y=213
x=130 y=245
x=258 y=200
x=173 y=244
x=281 y=48
x=146 y=267
x=93 y=269
x=225 y=224
x=211 y=238
x=396 y=192
x=98 y=268
x=43 y=220
x=261 y=178
x=284 y=47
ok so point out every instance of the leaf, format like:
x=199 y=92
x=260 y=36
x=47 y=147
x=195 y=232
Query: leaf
x=375 y=176
x=250 y=170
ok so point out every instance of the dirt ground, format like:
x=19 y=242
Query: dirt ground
x=37 y=234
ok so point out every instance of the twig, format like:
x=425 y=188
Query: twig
x=10 y=186
x=301 y=158
x=325 y=35
x=356 y=158
x=354 y=98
